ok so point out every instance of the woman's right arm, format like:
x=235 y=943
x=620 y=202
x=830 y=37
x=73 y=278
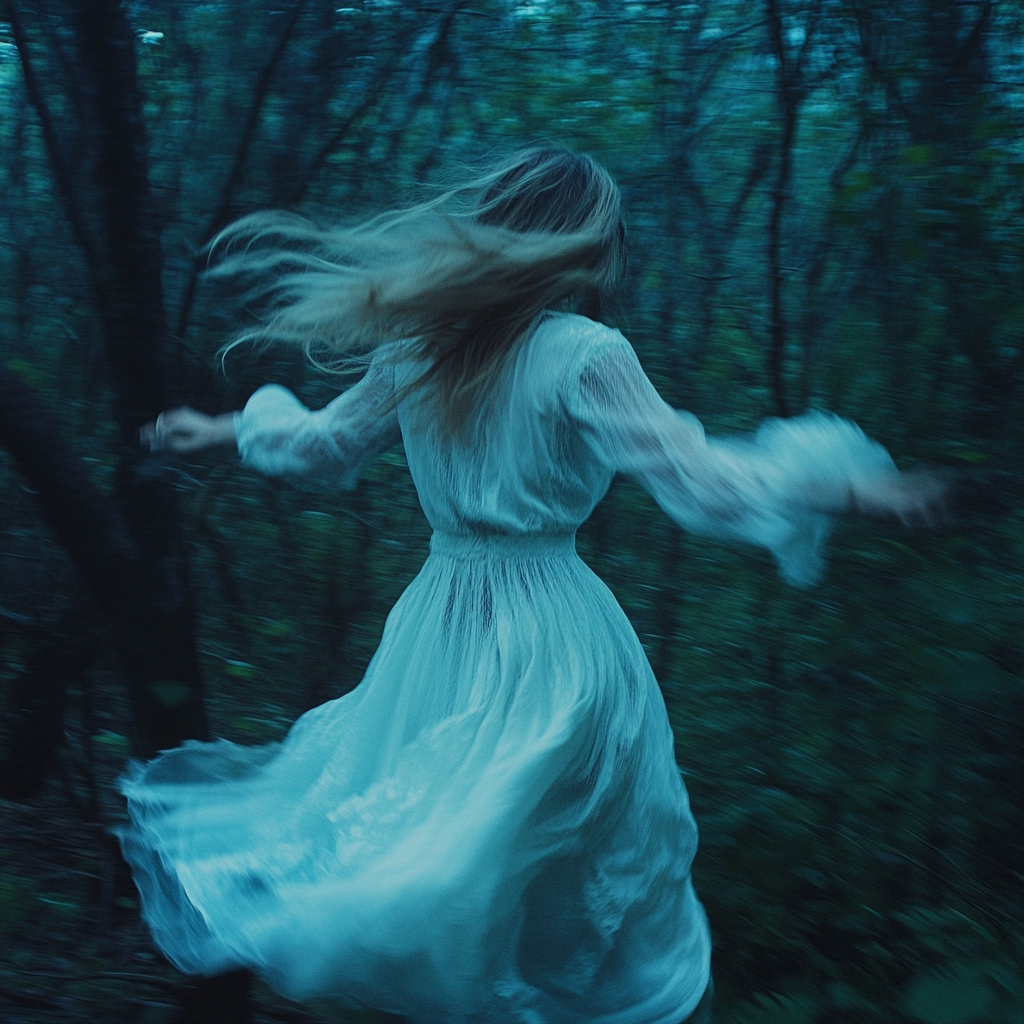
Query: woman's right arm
x=778 y=489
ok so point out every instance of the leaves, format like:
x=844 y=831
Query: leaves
x=962 y=994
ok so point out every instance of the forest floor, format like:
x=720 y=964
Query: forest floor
x=74 y=947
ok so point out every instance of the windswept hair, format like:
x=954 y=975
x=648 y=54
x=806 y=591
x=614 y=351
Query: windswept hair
x=464 y=277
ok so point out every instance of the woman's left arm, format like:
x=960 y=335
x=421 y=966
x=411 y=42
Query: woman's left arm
x=277 y=435
x=186 y=431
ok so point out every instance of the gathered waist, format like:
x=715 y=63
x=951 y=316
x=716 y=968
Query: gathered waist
x=503 y=545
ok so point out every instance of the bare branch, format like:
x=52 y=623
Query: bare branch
x=222 y=211
x=59 y=166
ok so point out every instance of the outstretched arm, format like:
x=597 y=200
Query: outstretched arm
x=185 y=431
x=277 y=435
x=915 y=498
x=777 y=489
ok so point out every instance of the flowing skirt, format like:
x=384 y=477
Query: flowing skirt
x=490 y=828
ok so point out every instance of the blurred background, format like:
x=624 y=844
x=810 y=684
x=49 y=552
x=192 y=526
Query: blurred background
x=825 y=202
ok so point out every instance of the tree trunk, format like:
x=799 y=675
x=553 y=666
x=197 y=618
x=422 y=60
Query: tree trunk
x=111 y=206
x=128 y=587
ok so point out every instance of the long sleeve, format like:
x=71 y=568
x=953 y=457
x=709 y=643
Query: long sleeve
x=775 y=489
x=277 y=435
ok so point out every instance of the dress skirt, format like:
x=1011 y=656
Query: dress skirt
x=490 y=828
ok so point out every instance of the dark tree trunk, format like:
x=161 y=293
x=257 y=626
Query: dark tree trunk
x=133 y=554
x=57 y=657
x=128 y=586
x=111 y=207
x=791 y=91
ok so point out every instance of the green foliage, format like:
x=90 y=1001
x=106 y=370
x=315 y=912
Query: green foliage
x=16 y=904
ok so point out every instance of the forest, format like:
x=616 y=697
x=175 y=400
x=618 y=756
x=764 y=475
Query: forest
x=825 y=205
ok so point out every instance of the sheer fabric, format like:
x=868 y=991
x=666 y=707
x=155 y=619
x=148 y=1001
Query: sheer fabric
x=491 y=827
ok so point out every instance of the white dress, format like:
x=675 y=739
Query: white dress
x=491 y=827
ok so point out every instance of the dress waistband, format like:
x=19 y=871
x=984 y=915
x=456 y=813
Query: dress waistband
x=503 y=545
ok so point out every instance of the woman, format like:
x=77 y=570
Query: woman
x=491 y=827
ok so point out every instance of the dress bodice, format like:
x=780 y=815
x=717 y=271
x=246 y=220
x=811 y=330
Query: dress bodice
x=522 y=466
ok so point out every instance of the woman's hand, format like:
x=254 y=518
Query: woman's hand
x=184 y=431
x=915 y=498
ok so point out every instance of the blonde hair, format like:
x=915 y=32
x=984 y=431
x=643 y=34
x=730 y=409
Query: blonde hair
x=464 y=276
